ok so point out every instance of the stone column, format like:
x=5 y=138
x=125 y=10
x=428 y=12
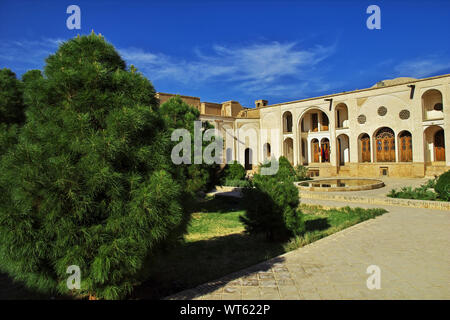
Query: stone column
x=446 y=104
x=295 y=146
x=353 y=113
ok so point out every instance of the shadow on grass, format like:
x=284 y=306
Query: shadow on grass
x=317 y=224
x=198 y=262
x=220 y=204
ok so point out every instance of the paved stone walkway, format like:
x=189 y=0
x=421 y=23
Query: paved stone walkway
x=411 y=247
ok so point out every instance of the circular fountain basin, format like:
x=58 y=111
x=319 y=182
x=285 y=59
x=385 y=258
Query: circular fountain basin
x=345 y=184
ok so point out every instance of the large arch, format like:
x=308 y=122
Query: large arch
x=364 y=152
x=287 y=122
x=341 y=111
x=405 y=147
x=306 y=123
x=343 y=149
x=288 y=149
x=432 y=107
x=248 y=137
x=312 y=123
x=384 y=144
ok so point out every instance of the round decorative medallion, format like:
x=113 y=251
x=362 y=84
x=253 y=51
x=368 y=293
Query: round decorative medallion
x=362 y=119
x=382 y=111
x=404 y=114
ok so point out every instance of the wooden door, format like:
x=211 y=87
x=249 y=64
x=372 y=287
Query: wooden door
x=385 y=146
x=365 y=149
x=326 y=151
x=406 y=148
x=316 y=151
x=439 y=146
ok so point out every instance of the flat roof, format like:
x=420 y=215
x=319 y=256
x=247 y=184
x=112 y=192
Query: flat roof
x=176 y=94
x=355 y=91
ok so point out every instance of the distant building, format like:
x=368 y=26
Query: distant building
x=396 y=128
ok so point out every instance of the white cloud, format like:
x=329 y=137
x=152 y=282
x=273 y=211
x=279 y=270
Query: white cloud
x=267 y=68
x=27 y=50
x=256 y=67
x=422 y=67
x=26 y=54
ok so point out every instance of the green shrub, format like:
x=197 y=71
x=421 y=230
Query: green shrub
x=301 y=173
x=285 y=169
x=442 y=186
x=233 y=171
x=178 y=114
x=419 y=193
x=90 y=182
x=272 y=205
x=237 y=183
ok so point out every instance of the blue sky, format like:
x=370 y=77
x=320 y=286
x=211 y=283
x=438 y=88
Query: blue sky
x=242 y=50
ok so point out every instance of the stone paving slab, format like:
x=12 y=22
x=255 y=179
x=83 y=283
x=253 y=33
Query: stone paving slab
x=410 y=245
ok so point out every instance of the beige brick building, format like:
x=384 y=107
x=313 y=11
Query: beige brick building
x=398 y=128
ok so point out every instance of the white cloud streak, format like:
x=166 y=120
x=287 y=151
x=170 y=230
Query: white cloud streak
x=269 y=68
x=27 y=54
x=422 y=67
x=257 y=67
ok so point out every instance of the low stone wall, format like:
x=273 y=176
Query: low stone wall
x=374 y=169
x=370 y=185
x=438 y=205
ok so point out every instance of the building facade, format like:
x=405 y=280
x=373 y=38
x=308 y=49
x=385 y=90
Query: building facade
x=397 y=128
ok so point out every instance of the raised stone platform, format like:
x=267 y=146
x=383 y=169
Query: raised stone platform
x=379 y=196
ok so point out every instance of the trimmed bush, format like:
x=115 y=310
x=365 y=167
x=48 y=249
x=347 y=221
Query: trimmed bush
x=90 y=182
x=442 y=186
x=301 y=173
x=272 y=205
x=285 y=169
x=233 y=171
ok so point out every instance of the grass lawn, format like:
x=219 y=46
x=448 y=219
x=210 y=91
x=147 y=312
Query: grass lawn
x=216 y=245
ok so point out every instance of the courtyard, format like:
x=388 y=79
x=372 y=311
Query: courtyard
x=409 y=245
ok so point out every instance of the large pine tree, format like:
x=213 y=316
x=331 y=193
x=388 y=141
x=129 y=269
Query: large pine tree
x=11 y=98
x=90 y=182
x=11 y=109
